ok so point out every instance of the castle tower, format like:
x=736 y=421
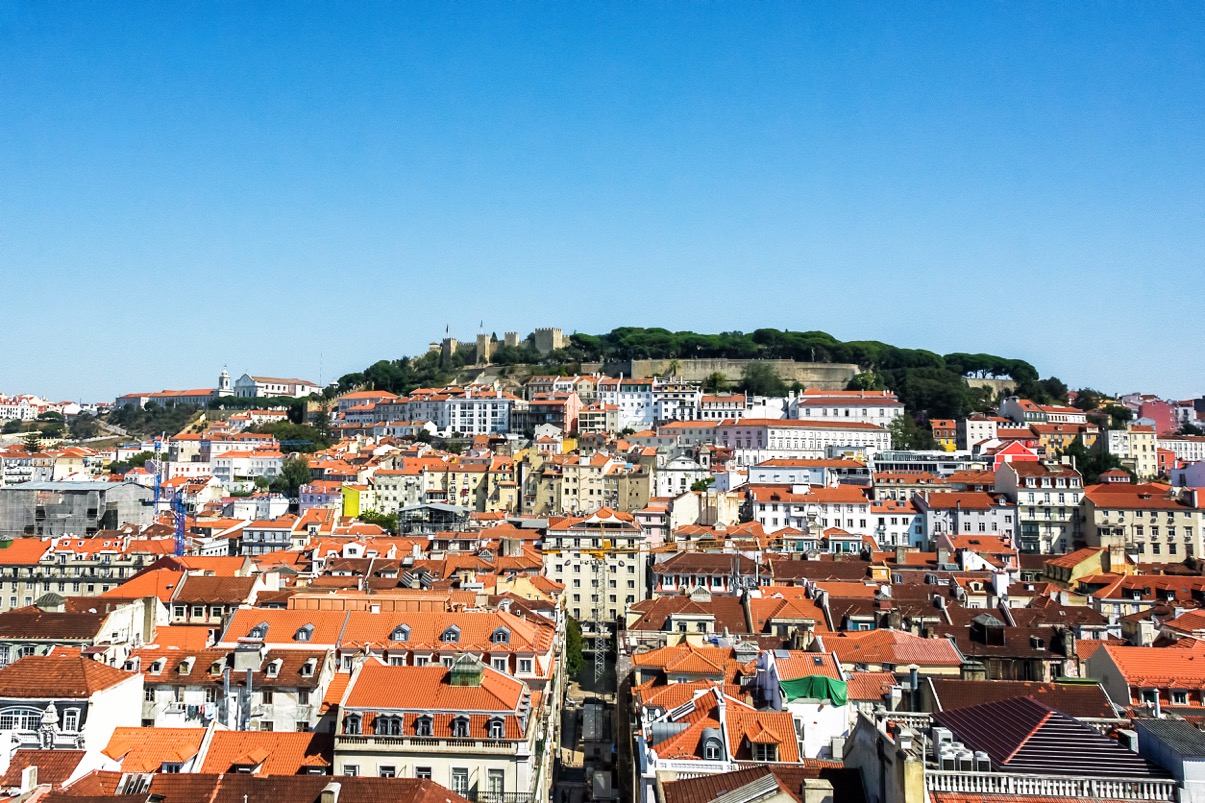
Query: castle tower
x=448 y=348
x=485 y=347
x=548 y=339
x=511 y=339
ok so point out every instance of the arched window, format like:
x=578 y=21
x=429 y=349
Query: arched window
x=460 y=727
x=422 y=726
x=452 y=634
x=712 y=750
x=500 y=636
x=351 y=724
x=400 y=633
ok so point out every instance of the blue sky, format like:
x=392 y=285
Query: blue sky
x=305 y=188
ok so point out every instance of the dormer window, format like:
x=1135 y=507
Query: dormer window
x=400 y=633
x=713 y=750
x=452 y=634
x=307 y=669
x=351 y=724
x=496 y=728
x=260 y=631
x=460 y=727
x=157 y=667
x=388 y=726
x=304 y=633
x=422 y=726
x=215 y=668
x=273 y=668
x=500 y=636
x=186 y=666
x=765 y=752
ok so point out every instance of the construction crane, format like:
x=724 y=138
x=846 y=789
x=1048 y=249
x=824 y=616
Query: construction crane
x=598 y=557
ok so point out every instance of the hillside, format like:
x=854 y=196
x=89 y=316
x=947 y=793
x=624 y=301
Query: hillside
x=929 y=384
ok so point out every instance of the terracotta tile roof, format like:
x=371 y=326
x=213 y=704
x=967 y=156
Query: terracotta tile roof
x=283 y=625
x=148 y=749
x=1180 y=666
x=847 y=783
x=159 y=583
x=214 y=590
x=34 y=623
x=54 y=766
x=892 y=647
x=185 y=637
x=22 y=551
x=269 y=752
x=1077 y=700
x=64 y=673
x=428 y=688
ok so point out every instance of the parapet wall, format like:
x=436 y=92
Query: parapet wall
x=820 y=375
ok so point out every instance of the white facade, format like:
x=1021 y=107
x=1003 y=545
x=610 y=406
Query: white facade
x=249 y=386
x=757 y=439
x=676 y=476
x=1187 y=448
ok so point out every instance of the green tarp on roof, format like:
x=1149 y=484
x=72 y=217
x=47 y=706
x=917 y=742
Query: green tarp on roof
x=816 y=687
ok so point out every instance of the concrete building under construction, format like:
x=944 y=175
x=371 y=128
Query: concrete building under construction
x=72 y=508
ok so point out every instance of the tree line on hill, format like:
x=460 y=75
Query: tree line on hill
x=930 y=385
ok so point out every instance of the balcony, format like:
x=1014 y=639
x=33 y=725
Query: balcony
x=518 y=749
x=1002 y=783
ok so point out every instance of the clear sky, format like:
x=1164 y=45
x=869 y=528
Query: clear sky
x=304 y=188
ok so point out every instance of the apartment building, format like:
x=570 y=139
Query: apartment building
x=1154 y=523
x=1047 y=496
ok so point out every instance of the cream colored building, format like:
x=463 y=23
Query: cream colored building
x=467 y=727
x=1155 y=524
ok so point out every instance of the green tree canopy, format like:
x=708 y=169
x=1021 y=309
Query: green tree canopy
x=294 y=473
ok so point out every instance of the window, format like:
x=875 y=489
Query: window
x=400 y=633
x=525 y=666
x=266 y=696
x=351 y=724
x=351 y=770
x=1148 y=696
x=303 y=696
x=388 y=771
x=500 y=636
x=765 y=752
x=1179 y=697
x=422 y=726
x=460 y=727
x=148 y=695
x=496 y=728
x=712 y=750
x=422 y=773
x=460 y=780
x=304 y=633
x=388 y=726
x=452 y=635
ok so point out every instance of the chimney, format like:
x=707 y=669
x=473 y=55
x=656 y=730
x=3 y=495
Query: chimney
x=29 y=779
x=330 y=793
x=814 y=790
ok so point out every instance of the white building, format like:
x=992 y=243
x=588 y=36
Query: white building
x=1187 y=448
x=600 y=559
x=754 y=440
x=249 y=386
x=879 y=407
x=643 y=403
x=676 y=476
